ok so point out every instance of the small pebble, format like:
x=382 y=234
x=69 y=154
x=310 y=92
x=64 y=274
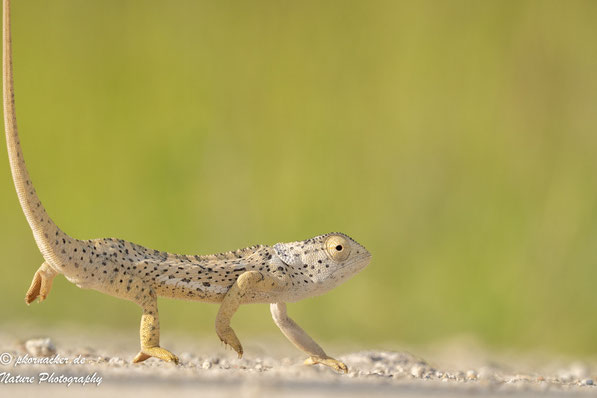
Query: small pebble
x=206 y=364
x=486 y=374
x=471 y=375
x=579 y=370
x=417 y=371
x=587 y=382
x=185 y=357
x=40 y=347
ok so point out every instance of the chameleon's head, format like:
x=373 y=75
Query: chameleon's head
x=328 y=259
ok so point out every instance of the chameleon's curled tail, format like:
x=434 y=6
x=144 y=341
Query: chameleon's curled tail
x=45 y=231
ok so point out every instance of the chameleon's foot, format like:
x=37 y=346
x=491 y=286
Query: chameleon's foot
x=331 y=362
x=157 y=352
x=41 y=284
x=227 y=335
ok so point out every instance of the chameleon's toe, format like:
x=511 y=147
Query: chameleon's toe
x=157 y=352
x=228 y=336
x=34 y=289
x=331 y=362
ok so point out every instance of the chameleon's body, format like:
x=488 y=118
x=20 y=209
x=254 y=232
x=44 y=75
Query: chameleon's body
x=285 y=272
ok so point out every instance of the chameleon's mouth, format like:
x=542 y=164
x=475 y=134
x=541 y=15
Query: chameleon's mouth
x=354 y=266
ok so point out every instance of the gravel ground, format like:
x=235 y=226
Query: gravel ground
x=207 y=369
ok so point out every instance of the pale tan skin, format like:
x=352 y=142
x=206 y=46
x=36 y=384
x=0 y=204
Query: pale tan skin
x=285 y=272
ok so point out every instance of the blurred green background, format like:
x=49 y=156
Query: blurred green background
x=456 y=140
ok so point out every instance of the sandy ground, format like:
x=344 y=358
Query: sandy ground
x=98 y=364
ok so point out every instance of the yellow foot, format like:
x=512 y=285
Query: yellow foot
x=41 y=284
x=228 y=336
x=157 y=352
x=331 y=362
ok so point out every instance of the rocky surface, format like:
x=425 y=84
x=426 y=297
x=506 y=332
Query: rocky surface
x=72 y=366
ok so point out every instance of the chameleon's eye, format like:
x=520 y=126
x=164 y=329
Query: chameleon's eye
x=337 y=247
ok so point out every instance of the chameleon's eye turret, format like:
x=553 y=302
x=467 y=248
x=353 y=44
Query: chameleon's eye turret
x=337 y=247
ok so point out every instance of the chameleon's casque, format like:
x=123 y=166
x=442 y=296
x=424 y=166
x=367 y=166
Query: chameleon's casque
x=267 y=274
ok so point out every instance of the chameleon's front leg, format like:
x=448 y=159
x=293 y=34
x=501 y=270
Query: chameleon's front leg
x=302 y=340
x=246 y=282
x=150 y=332
x=41 y=283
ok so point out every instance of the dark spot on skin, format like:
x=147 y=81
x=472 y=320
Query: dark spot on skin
x=206 y=284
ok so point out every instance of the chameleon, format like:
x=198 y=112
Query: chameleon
x=275 y=275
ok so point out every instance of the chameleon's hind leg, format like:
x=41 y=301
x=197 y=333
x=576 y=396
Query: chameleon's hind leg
x=41 y=283
x=302 y=340
x=247 y=282
x=150 y=331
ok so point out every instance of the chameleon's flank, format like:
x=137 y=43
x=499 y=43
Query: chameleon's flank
x=284 y=272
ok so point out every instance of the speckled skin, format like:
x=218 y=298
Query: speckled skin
x=285 y=272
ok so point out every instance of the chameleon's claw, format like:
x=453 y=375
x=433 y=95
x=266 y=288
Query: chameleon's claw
x=228 y=337
x=140 y=357
x=331 y=362
x=157 y=352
